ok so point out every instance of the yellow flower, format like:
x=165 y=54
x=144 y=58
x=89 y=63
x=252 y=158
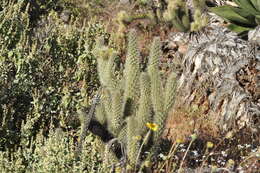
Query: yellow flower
x=210 y=144
x=178 y=141
x=152 y=126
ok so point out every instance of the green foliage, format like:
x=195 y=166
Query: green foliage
x=46 y=73
x=244 y=17
x=136 y=99
x=52 y=154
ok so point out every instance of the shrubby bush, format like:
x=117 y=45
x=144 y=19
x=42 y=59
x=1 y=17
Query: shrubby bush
x=53 y=154
x=46 y=73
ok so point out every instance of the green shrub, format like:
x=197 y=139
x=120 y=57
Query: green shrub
x=47 y=72
x=53 y=154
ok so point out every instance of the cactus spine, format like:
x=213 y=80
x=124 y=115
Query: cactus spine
x=117 y=112
x=156 y=86
x=144 y=113
x=132 y=69
x=132 y=141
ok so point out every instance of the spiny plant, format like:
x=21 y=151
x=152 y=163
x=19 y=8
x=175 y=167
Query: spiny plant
x=185 y=16
x=180 y=16
x=243 y=17
x=135 y=100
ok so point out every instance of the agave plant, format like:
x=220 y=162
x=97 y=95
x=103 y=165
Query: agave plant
x=243 y=17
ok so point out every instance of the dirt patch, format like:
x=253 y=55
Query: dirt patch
x=182 y=123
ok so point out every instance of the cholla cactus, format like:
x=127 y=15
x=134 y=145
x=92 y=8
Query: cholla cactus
x=181 y=17
x=134 y=99
x=178 y=15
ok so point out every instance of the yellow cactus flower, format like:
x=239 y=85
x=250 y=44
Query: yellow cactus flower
x=210 y=144
x=152 y=126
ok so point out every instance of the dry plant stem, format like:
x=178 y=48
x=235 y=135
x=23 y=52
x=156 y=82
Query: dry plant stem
x=171 y=153
x=171 y=158
x=140 y=150
x=206 y=153
x=179 y=171
x=224 y=169
x=249 y=157
x=201 y=167
x=170 y=161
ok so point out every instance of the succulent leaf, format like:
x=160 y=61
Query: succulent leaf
x=229 y=13
x=256 y=4
x=242 y=18
x=257 y=19
x=247 y=6
x=237 y=28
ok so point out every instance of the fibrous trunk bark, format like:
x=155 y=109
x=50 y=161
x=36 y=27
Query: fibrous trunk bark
x=222 y=71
